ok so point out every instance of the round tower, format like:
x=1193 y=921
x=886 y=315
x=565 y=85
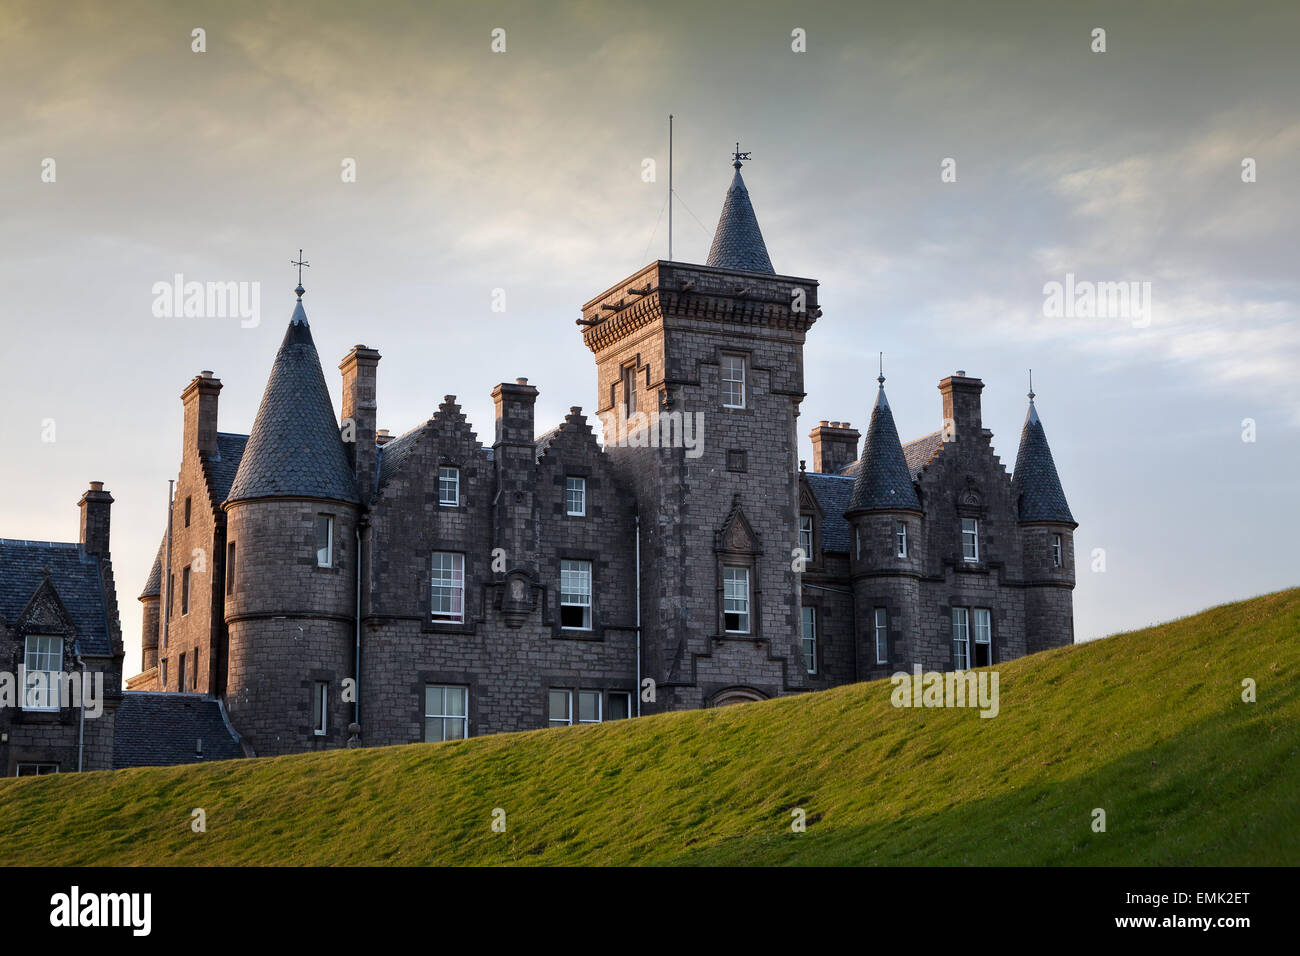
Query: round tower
x=886 y=550
x=1047 y=539
x=291 y=521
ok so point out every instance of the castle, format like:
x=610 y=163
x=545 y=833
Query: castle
x=329 y=581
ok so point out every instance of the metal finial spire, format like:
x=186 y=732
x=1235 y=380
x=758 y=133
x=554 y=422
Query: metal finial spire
x=881 y=378
x=1031 y=386
x=737 y=156
x=300 y=262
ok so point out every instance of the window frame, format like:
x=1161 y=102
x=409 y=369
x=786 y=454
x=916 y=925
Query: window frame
x=567 y=719
x=329 y=541
x=626 y=695
x=454 y=586
x=900 y=539
x=725 y=367
x=230 y=567
x=588 y=694
x=880 y=630
x=445 y=715
x=745 y=626
x=449 y=474
x=961 y=623
x=49 y=766
x=807 y=617
x=974 y=534
x=569 y=490
x=627 y=374
x=1058 y=551
x=581 y=567
x=320 y=708
x=981 y=621
x=810 y=532
x=186 y=579
x=54 y=686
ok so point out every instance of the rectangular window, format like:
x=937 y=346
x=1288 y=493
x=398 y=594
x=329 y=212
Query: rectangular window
x=589 y=707
x=733 y=381
x=194 y=670
x=806 y=536
x=575 y=496
x=983 y=637
x=43 y=656
x=735 y=600
x=559 y=708
x=446 y=712
x=970 y=539
x=1056 y=550
x=448 y=587
x=180 y=673
x=809 y=622
x=629 y=388
x=618 y=705
x=960 y=638
x=324 y=541
x=230 y=568
x=163 y=662
x=882 y=635
x=319 y=706
x=448 y=487
x=900 y=536
x=575 y=595
x=35 y=769
x=187 y=512
x=185 y=591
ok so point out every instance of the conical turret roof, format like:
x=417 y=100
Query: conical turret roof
x=1035 y=486
x=884 y=482
x=738 y=243
x=294 y=449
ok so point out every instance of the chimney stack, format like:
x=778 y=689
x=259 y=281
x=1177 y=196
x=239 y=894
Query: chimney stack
x=961 y=405
x=835 y=446
x=200 y=398
x=516 y=462
x=360 y=368
x=95 y=506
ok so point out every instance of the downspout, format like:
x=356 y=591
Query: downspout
x=166 y=585
x=81 y=715
x=356 y=690
x=638 y=615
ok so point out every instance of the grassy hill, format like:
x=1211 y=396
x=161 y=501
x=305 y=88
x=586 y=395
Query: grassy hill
x=1149 y=726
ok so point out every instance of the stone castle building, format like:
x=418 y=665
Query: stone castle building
x=328 y=582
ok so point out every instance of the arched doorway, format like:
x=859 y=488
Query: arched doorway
x=736 y=695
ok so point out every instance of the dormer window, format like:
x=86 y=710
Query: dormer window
x=448 y=486
x=806 y=536
x=733 y=381
x=900 y=538
x=43 y=661
x=970 y=539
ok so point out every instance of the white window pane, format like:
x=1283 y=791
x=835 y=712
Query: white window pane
x=588 y=706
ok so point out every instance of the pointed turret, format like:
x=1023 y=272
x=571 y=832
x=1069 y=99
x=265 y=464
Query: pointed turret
x=738 y=243
x=1035 y=487
x=294 y=449
x=884 y=481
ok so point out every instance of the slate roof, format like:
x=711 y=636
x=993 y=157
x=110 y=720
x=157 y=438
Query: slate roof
x=75 y=576
x=917 y=453
x=153 y=586
x=884 y=480
x=738 y=243
x=393 y=454
x=544 y=441
x=294 y=448
x=163 y=729
x=1035 y=485
x=833 y=493
x=225 y=463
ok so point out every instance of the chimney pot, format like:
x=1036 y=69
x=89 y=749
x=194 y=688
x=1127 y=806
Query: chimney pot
x=961 y=372
x=521 y=381
x=96 y=486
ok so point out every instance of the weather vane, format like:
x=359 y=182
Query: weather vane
x=300 y=262
x=737 y=156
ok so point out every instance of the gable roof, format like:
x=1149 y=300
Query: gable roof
x=833 y=493
x=154 y=729
x=294 y=448
x=75 y=576
x=224 y=465
x=738 y=242
x=918 y=453
x=1035 y=486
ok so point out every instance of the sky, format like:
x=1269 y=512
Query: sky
x=524 y=171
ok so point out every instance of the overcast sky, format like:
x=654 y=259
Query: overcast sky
x=522 y=171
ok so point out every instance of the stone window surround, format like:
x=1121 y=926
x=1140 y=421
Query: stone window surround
x=449 y=677
x=573 y=685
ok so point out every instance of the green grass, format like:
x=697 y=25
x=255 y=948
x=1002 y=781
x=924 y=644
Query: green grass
x=1149 y=726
